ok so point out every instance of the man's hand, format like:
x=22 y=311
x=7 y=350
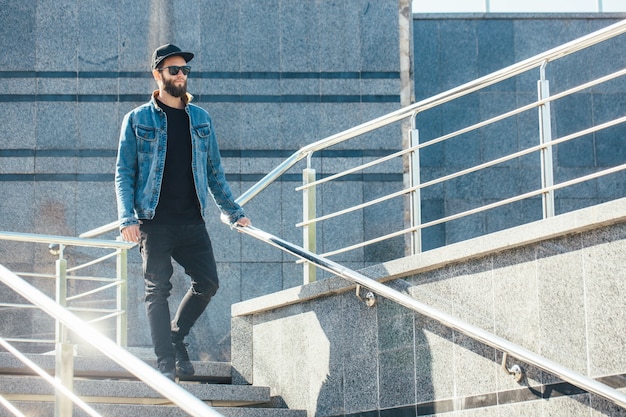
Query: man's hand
x=243 y=222
x=131 y=233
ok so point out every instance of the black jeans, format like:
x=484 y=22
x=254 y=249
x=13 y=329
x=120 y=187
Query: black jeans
x=189 y=246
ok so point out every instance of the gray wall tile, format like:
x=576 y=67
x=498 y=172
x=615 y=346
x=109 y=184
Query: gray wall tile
x=20 y=132
x=97 y=46
x=397 y=378
x=56 y=126
x=59 y=52
x=17 y=32
x=299 y=33
x=220 y=37
x=376 y=19
x=259 y=35
x=335 y=20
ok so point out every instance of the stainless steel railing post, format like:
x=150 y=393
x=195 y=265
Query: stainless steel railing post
x=64 y=350
x=545 y=137
x=145 y=372
x=309 y=212
x=121 y=321
x=61 y=294
x=64 y=372
x=415 y=197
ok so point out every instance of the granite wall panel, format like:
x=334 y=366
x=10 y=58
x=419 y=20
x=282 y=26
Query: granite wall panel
x=275 y=76
x=556 y=296
x=450 y=50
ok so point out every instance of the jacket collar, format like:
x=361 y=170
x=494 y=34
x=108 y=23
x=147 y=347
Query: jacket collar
x=186 y=100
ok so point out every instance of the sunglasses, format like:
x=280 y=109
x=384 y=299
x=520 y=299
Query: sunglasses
x=173 y=70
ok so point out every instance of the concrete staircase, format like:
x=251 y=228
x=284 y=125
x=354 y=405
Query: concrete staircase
x=114 y=392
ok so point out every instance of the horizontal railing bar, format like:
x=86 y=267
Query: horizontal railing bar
x=153 y=378
x=524 y=152
x=91 y=279
x=526 y=195
x=85 y=309
x=100 y=230
x=485 y=81
x=94 y=291
x=55 y=382
x=355 y=169
x=65 y=240
x=13 y=305
x=18 y=340
x=522 y=109
x=355 y=207
x=69 y=277
x=480 y=209
x=34 y=274
x=93 y=262
x=468 y=129
x=93 y=310
x=476 y=333
x=108 y=316
x=470 y=170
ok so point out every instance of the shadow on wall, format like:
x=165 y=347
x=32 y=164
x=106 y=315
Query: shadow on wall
x=373 y=356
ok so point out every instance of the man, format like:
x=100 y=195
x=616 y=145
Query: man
x=168 y=161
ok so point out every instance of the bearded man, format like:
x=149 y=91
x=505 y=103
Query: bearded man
x=168 y=165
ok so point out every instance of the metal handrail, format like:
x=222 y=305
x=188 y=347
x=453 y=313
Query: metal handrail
x=476 y=126
x=119 y=248
x=489 y=339
x=153 y=378
x=10 y=407
x=459 y=174
x=413 y=189
x=105 y=228
x=408 y=111
x=65 y=240
x=486 y=207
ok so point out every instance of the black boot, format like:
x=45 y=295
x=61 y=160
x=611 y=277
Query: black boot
x=167 y=368
x=184 y=367
x=159 y=319
x=191 y=307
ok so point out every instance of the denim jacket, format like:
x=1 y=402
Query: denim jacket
x=141 y=161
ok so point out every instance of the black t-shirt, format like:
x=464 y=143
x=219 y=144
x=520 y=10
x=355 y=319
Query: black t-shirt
x=178 y=202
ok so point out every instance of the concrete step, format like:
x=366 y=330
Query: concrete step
x=112 y=391
x=36 y=409
x=119 y=391
x=103 y=367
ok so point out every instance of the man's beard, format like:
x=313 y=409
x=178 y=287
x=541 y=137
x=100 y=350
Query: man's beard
x=174 y=90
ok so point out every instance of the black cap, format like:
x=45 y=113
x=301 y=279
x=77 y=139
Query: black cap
x=166 y=51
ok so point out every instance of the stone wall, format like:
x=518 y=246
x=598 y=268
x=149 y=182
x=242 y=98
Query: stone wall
x=275 y=75
x=453 y=49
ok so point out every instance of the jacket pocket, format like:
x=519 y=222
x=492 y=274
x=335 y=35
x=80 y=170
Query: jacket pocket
x=146 y=138
x=203 y=132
